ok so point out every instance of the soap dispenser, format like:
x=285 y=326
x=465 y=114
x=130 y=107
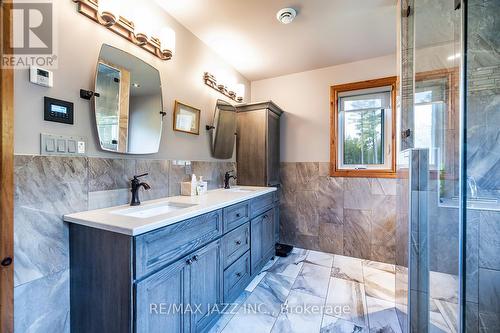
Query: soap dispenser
x=201 y=187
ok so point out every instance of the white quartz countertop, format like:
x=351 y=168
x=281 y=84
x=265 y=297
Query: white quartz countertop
x=108 y=219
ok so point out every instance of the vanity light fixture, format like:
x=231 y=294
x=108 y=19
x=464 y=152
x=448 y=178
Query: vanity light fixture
x=107 y=13
x=234 y=91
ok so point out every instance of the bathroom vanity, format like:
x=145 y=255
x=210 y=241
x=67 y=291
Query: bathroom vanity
x=169 y=264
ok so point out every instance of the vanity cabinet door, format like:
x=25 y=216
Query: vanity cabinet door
x=273 y=148
x=268 y=233
x=256 y=249
x=206 y=285
x=160 y=300
x=261 y=240
x=277 y=223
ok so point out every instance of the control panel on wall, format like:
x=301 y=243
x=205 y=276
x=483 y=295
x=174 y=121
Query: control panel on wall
x=68 y=145
x=41 y=76
x=58 y=110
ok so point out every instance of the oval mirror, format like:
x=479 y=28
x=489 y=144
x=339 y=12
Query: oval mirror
x=223 y=130
x=129 y=107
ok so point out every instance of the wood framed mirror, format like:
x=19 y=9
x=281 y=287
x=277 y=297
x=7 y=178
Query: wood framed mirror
x=186 y=118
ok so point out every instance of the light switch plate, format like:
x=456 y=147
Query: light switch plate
x=72 y=146
x=62 y=145
x=50 y=145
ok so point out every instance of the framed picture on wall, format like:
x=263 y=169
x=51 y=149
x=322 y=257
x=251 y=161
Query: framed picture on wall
x=186 y=118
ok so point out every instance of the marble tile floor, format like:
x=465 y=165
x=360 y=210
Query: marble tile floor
x=316 y=292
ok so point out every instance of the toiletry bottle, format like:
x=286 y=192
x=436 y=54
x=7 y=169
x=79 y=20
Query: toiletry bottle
x=193 y=184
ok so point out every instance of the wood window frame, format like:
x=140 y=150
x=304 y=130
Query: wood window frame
x=334 y=116
x=6 y=174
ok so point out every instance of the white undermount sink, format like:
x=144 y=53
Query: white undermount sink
x=147 y=211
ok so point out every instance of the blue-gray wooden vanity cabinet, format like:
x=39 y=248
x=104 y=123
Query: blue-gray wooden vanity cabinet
x=172 y=279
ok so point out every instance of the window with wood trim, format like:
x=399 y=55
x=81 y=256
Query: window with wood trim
x=362 y=129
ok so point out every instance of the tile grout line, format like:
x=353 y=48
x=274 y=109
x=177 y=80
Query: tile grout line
x=366 y=299
x=327 y=292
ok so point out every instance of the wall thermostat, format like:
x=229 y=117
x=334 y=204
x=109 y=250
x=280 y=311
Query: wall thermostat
x=41 y=76
x=58 y=111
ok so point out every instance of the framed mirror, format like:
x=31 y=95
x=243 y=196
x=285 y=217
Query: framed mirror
x=223 y=130
x=186 y=118
x=129 y=108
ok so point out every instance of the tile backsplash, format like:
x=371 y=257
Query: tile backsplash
x=46 y=188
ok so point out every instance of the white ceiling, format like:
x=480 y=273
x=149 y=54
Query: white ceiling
x=324 y=33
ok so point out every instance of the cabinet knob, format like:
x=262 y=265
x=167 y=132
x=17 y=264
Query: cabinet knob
x=7 y=261
x=238 y=215
x=266 y=216
x=189 y=261
x=238 y=274
x=195 y=258
x=238 y=242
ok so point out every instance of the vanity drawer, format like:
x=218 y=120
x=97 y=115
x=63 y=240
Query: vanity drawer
x=236 y=215
x=158 y=248
x=235 y=243
x=236 y=278
x=261 y=204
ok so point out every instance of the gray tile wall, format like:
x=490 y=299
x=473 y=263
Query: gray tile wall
x=348 y=216
x=46 y=188
x=483 y=270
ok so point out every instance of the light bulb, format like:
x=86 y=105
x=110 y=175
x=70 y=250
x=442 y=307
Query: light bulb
x=167 y=40
x=221 y=77
x=142 y=23
x=240 y=90
x=109 y=10
x=230 y=82
x=142 y=28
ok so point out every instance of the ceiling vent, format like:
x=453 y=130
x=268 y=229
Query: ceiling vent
x=286 y=15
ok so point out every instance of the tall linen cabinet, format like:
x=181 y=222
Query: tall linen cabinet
x=258 y=144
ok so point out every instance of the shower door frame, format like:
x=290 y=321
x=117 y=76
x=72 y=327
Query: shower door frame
x=462 y=165
x=460 y=112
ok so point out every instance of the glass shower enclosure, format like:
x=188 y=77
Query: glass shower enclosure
x=448 y=275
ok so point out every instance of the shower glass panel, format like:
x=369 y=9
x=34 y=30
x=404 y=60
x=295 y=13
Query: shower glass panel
x=434 y=277
x=454 y=167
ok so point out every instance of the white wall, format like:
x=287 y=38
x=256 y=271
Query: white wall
x=305 y=97
x=79 y=41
